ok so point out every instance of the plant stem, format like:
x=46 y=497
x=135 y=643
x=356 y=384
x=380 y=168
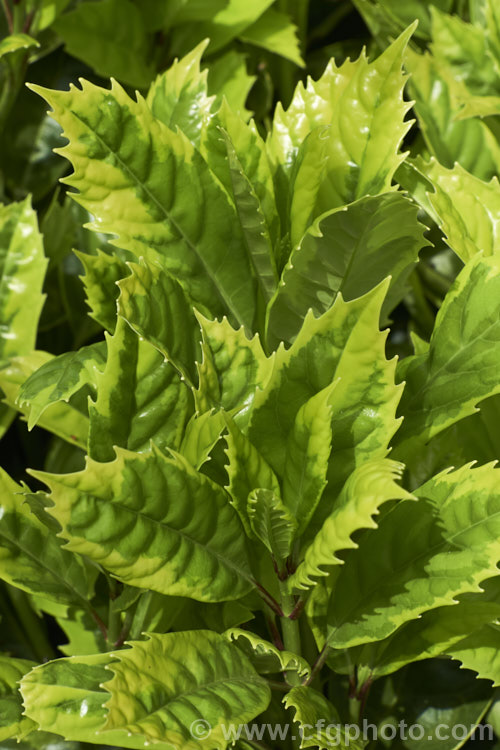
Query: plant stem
x=114 y=624
x=129 y=616
x=269 y=600
x=290 y=630
x=8 y=14
x=318 y=664
x=18 y=18
x=114 y=615
x=281 y=686
x=102 y=627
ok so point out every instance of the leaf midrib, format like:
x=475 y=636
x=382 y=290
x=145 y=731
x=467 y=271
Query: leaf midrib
x=40 y=560
x=135 y=180
x=179 y=696
x=224 y=560
x=427 y=385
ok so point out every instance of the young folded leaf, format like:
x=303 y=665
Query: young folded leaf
x=247 y=471
x=232 y=368
x=102 y=271
x=140 y=399
x=154 y=304
x=265 y=657
x=308 y=451
x=271 y=522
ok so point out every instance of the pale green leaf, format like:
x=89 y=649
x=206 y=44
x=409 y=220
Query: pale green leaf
x=228 y=78
x=66 y=696
x=154 y=522
x=59 y=378
x=178 y=97
x=307 y=454
x=12 y=722
x=83 y=634
x=187 y=11
x=15 y=42
x=247 y=471
x=200 y=435
x=318 y=720
x=461 y=366
x=479 y=652
x=362 y=105
x=265 y=657
x=272 y=522
x=161 y=687
x=438 y=99
x=154 y=304
x=111 y=38
x=348 y=250
x=367 y=489
x=275 y=32
x=494 y=717
x=444 y=545
x=249 y=161
x=464 y=48
x=231 y=370
x=252 y=219
x=31 y=556
x=49 y=11
x=225 y=25
x=67 y=421
x=387 y=18
x=492 y=19
x=479 y=106
x=468 y=209
x=7 y=416
x=343 y=343
x=302 y=189
x=22 y=271
x=433 y=633
x=140 y=398
x=150 y=187
x=102 y=272
x=412 y=179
